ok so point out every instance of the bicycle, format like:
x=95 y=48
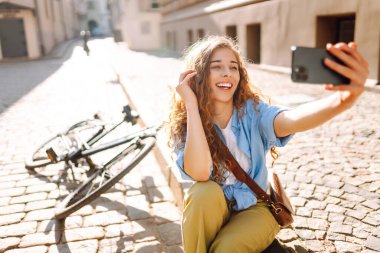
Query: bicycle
x=80 y=142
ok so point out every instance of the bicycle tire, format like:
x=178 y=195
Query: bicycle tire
x=74 y=201
x=39 y=158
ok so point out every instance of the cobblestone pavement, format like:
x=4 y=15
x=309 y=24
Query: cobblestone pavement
x=332 y=173
x=41 y=98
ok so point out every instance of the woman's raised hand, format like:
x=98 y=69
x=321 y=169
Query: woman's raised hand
x=183 y=88
x=355 y=69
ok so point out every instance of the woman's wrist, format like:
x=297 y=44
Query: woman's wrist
x=191 y=106
x=344 y=102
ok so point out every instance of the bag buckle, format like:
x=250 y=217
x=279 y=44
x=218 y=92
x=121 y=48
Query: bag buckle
x=276 y=209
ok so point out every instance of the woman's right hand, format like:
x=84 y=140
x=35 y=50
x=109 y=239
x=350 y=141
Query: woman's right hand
x=183 y=88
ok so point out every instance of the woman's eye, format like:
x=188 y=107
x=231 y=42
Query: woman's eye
x=215 y=67
x=234 y=68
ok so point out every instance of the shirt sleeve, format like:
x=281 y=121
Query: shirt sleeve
x=179 y=152
x=266 y=126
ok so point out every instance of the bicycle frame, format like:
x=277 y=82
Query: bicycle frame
x=86 y=149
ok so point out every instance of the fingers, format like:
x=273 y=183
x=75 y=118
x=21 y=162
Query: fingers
x=332 y=87
x=184 y=74
x=343 y=70
x=360 y=58
x=183 y=88
x=189 y=76
x=355 y=66
x=346 y=49
x=349 y=56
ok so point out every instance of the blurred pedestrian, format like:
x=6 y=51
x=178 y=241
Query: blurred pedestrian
x=215 y=102
x=86 y=36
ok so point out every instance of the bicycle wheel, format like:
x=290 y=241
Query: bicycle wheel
x=105 y=177
x=84 y=130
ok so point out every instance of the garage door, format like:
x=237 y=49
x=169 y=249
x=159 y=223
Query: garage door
x=12 y=38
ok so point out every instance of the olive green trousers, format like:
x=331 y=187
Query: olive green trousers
x=208 y=225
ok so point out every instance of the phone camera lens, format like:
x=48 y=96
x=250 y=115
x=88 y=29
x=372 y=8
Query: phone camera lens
x=301 y=73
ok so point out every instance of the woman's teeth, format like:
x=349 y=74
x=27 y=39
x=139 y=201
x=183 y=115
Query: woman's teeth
x=224 y=85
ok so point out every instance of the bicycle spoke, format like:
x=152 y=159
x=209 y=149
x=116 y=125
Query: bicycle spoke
x=90 y=189
x=131 y=145
x=102 y=178
x=108 y=175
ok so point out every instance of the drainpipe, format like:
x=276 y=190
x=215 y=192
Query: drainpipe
x=36 y=15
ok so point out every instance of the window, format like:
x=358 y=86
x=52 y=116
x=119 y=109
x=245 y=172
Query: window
x=335 y=28
x=254 y=42
x=201 y=33
x=346 y=29
x=190 y=37
x=231 y=31
x=155 y=4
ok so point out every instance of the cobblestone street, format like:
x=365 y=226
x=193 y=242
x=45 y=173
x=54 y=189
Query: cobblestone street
x=41 y=98
x=331 y=173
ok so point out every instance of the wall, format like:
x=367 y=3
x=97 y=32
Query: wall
x=283 y=23
x=133 y=23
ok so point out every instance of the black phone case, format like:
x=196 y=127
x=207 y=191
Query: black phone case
x=308 y=67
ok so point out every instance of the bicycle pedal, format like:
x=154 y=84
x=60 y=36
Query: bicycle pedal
x=52 y=155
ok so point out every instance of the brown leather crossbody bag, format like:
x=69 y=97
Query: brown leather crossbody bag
x=277 y=201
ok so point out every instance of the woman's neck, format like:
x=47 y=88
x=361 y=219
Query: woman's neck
x=222 y=114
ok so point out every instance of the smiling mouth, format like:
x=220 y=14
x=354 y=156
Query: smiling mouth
x=225 y=86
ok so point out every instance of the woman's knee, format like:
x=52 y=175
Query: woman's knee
x=204 y=214
x=204 y=194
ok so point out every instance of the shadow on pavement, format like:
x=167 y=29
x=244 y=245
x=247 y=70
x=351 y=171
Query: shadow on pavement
x=19 y=77
x=277 y=247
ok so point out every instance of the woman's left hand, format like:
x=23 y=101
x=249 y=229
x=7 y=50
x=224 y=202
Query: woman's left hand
x=355 y=69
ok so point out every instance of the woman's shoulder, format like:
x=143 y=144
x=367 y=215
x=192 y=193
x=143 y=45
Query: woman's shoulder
x=252 y=105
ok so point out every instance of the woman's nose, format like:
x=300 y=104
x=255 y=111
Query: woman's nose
x=226 y=71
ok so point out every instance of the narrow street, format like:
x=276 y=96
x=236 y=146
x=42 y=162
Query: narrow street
x=41 y=98
x=331 y=173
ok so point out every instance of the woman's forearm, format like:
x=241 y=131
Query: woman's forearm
x=197 y=157
x=310 y=115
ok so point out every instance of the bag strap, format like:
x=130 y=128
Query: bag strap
x=242 y=176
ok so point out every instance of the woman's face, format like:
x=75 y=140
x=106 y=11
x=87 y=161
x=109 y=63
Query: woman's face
x=224 y=75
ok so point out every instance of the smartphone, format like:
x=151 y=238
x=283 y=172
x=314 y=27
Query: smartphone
x=308 y=67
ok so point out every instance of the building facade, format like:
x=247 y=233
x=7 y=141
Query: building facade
x=266 y=29
x=31 y=28
x=94 y=16
x=137 y=22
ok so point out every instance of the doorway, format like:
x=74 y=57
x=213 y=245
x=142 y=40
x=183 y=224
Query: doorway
x=335 y=28
x=254 y=42
x=12 y=38
x=231 y=31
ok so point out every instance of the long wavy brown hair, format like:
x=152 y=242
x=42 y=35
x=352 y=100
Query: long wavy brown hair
x=197 y=57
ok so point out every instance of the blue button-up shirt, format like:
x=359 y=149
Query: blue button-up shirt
x=255 y=136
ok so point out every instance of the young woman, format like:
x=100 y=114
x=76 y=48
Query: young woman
x=214 y=98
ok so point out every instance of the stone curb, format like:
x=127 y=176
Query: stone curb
x=162 y=154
